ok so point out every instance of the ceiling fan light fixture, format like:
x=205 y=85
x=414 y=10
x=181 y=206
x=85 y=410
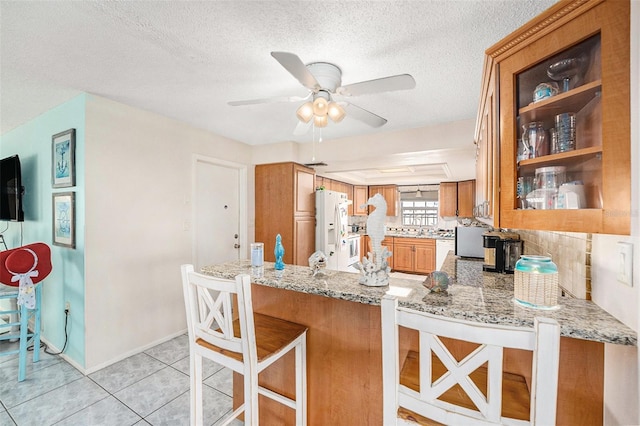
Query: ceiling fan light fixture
x=305 y=112
x=320 y=106
x=335 y=112
x=320 y=121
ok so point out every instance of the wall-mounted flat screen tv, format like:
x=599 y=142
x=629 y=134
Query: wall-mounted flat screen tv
x=11 y=190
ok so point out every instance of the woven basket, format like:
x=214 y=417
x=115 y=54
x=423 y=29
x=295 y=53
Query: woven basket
x=536 y=289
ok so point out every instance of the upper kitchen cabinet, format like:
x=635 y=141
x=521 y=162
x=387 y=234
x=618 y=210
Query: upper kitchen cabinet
x=390 y=194
x=456 y=199
x=564 y=119
x=360 y=197
x=285 y=205
x=337 y=186
x=486 y=140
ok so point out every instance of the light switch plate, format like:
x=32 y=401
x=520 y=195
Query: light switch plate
x=624 y=255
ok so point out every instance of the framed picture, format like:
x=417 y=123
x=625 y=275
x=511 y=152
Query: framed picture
x=64 y=159
x=64 y=219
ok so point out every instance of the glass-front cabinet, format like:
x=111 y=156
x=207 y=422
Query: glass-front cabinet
x=564 y=120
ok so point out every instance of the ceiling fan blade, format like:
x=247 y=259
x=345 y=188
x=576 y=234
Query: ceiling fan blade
x=294 y=65
x=385 y=84
x=302 y=128
x=363 y=115
x=270 y=100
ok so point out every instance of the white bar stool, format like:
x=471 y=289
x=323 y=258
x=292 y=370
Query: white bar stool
x=246 y=342
x=433 y=387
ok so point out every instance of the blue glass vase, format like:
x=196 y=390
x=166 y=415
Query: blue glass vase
x=278 y=251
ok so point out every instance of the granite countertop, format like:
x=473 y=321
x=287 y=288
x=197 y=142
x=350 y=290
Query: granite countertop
x=473 y=295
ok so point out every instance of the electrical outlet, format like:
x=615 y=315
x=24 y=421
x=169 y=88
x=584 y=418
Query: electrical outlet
x=67 y=307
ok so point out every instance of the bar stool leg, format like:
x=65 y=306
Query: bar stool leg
x=22 y=354
x=301 y=382
x=36 y=325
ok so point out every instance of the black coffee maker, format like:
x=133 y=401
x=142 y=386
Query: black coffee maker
x=501 y=251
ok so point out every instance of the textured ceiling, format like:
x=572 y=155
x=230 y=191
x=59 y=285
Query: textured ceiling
x=187 y=59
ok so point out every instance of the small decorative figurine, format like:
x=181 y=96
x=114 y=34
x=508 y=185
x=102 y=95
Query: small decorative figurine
x=278 y=251
x=437 y=282
x=317 y=263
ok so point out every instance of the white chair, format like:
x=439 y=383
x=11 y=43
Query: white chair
x=243 y=341
x=432 y=387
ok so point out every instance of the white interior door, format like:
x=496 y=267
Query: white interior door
x=218 y=211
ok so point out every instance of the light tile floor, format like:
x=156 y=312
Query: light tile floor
x=149 y=388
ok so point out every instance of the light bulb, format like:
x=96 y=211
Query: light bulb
x=336 y=112
x=320 y=120
x=320 y=106
x=305 y=112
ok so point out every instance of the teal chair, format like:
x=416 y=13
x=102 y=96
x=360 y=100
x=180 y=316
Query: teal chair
x=22 y=271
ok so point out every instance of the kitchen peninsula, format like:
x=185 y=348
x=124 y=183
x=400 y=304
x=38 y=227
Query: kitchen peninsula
x=344 y=340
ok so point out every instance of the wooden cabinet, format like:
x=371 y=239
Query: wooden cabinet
x=285 y=204
x=360 y=197
x=596 y=35
x=456 y=198
x=448 y=199
x=486 y=140
x=466 y=197
x=414 y=255
x=390 y=194
x=337 y=186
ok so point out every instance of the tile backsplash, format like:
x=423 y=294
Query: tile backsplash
x=570 y=251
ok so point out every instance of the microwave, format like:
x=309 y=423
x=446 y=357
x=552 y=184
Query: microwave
x=469 y=242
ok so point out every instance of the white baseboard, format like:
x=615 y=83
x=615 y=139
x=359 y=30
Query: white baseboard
x=133 y=352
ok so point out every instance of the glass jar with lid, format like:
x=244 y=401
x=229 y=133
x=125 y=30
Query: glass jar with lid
x=536 y=282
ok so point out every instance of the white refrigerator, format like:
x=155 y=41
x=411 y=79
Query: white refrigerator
x=332 y=228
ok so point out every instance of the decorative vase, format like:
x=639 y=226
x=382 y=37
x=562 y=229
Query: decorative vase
x=278 y=251
x=536 y=281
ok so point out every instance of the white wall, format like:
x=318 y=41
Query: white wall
x=138 y=188
x=622 y=363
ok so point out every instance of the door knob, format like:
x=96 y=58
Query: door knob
x=236 y=245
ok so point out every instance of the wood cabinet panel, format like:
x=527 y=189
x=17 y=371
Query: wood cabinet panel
x=448 y=199
x=416 y=255
x=304 y=191
x=456 y=198
x=403 y=256
x=487 y=152
x=425 y=260
x=360 y=197
x=285 y=205
x=305 y=231
x=466 y=198
x=390 y=194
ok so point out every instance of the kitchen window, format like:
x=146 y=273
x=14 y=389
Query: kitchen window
x=418 y=212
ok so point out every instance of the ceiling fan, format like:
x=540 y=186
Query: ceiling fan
x=324 y=81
